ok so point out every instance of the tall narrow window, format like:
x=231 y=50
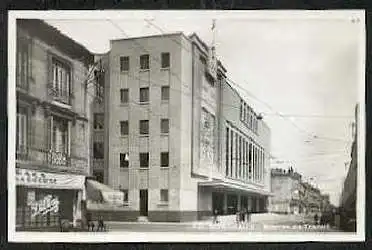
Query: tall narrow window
x=145 y=62
x=227 y=151
x=165 y=93
x=164 y=159
x=98 y=121
x=250 y=161
x=61 y=81
x=144 y=160
x=144 y=127
x=98 y=150
x=241 y=109
x=144 y=95
x=60 y=135
x=124 y=96
x=21 y=136
x=165 y=60
x=164 y=125
x=124 y=63
x=124 y=128
x=124 y=160
x=231 y=151
x=23 y=63
x=164 y=195
x=236 y=155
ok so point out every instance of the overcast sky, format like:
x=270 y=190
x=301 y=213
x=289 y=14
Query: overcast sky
x=306 y=66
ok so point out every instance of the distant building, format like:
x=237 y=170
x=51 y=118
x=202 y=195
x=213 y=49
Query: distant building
x=52 y=138
x=348 y=196
x=173 y=134
x=288 y=192
x=312 y=198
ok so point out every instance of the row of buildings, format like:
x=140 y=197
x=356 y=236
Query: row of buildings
x=349 y=190
x=292 y=195
x=154 y=132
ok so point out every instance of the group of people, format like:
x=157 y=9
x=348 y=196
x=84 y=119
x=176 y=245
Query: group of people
x=324 y=219
x=101 y=227
x=242 y=217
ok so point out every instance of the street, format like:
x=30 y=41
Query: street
x=266 y=223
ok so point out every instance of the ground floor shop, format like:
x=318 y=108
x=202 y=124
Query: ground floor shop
x=44 y=200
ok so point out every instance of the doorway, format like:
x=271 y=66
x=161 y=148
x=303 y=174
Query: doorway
x=143 y=202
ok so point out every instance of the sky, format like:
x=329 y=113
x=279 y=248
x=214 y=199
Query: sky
x=305 y=66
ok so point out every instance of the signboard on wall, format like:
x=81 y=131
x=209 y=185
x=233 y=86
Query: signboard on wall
x=38 y=179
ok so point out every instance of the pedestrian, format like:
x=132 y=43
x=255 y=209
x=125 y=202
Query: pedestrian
x=238 y=218
x=215 y=216
x=242 y=216
x=316 y=219
x=101 y=224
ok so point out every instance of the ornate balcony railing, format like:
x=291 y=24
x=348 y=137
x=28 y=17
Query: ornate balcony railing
x=59 y=94
x=52 y=159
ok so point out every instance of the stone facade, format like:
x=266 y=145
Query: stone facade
x=183 y=188
x=52 y=120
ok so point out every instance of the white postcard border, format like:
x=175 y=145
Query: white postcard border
x=14 y=236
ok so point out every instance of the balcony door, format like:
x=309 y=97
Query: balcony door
x=60 y=140
x=21 y=136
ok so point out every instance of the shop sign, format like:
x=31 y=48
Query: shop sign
x=46 y=205
x=37 y=179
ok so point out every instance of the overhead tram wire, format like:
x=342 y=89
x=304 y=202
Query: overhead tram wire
x=143 y=48
x=311 y=135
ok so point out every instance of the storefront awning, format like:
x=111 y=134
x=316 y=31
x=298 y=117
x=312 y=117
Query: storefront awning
x=101 y=193
x=216 y=184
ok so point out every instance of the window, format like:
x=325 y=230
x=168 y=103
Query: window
x=124 y=63
x=144 y=95
x=144 y=127
x=164 y=159
x=124 y=95
x=98 y=121
x=61 y=81
x=98 y=150
x=144 y=160
x=21 y=137
x=165 y=93
x=98 y=174
x=165 y=60
x=124 y=127
x=145 y=62
x=125 y=197
x=164 y=195
x=60 y=134
x=124 y=160
x=227 y=152
x=164 y=126
x=23 y=63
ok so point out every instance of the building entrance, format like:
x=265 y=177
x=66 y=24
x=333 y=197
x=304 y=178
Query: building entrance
x=143 y=202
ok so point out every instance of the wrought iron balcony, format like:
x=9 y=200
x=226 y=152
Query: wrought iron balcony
x=52 y=159
x=58 y=158
x=60 y=95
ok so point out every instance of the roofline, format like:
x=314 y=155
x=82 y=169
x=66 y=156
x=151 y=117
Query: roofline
x=206 y=48
x=42 y=30
x=236 y=92
x=150 y=36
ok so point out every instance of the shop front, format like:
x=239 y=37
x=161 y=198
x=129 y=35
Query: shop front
x=45 y=199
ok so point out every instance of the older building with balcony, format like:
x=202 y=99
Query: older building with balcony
x=179 y=141
x=53 y=132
